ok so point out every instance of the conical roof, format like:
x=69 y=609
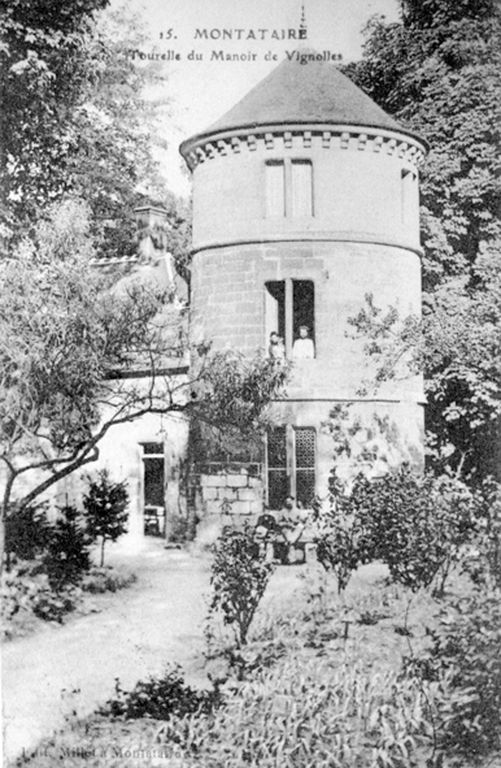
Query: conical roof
x=315 y=92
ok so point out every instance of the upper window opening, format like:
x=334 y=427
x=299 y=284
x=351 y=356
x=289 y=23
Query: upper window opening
x=409 y=194
x=303 y=306
x=302 y=188
x=290 y=318
x=289 y=188
x=275 y=189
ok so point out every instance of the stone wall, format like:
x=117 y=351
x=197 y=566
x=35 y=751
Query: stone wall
x=228 y=307
x=226 y=495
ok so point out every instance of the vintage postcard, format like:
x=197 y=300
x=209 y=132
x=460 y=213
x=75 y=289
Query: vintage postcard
x=250 y=392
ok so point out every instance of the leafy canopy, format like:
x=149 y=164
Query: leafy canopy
x=75 y=346
x=76 y=120
x=437 y=72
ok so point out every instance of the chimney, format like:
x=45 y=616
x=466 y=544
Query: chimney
x=152 y=228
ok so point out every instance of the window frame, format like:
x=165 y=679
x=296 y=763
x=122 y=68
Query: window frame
x=275 y=164
x=409 y=194
x=295 y=162
x=290 y=460
x=287 y=164
x=288 y=310
x=294 y=467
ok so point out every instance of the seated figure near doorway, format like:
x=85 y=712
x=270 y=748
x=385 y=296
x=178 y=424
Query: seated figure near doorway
x=303 y=347
x=292 y=520
x=278 y=533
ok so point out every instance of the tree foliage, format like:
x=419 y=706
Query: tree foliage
x=239 y=577
x=76 y=119
x=75 y=345
x=414 y=523
x=105 y=504
x=67 y=556
x=464 y=657
x=437 y=72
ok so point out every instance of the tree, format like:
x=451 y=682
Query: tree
x=457 y=344
x=75 y=118
x=105 y=504
x=75 y=345
x=437 y=72
x=239 y=578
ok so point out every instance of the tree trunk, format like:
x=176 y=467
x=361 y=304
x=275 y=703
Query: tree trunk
x=4 y=511
x=102 y=550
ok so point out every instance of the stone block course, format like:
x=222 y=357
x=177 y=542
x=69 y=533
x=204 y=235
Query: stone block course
x=236 y=481
x=213 y=507
x=212 y=481
x=241 y=508
x=246 y=494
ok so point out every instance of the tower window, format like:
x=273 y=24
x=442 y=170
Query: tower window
x=289 y=188
x=275 y=189
x=291 y=461
x=409 y=195
x=304 y=464
x=276 y=461
x=301 y=188
x=290 y=314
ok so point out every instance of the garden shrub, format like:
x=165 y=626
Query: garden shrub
x=420 y=524
x=160 y=698
x=483 y=561
x=27 y=531
x=105 y=504
x=16 y=590
x=181 y=529
x=464 y=656
x=344 y=530
x=106 y=579
x=239 y=577
x=66 y=557
x=53 y=606
x=415 y=523
x=26 y=591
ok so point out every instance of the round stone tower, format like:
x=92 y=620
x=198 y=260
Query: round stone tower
x=305 y=200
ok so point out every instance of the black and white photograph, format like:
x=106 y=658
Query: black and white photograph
x=250 y=383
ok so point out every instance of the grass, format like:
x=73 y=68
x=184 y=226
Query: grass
x=321 y=689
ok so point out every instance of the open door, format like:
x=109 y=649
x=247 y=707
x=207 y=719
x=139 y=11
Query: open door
x=154 y=489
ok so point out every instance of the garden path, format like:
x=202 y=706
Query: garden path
x=66 y=671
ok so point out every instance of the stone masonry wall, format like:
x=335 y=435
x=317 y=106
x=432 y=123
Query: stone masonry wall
x=231 y=495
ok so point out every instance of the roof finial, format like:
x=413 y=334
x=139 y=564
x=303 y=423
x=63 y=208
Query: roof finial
x=302 y=23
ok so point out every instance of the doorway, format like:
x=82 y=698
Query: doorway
x=153 y=489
